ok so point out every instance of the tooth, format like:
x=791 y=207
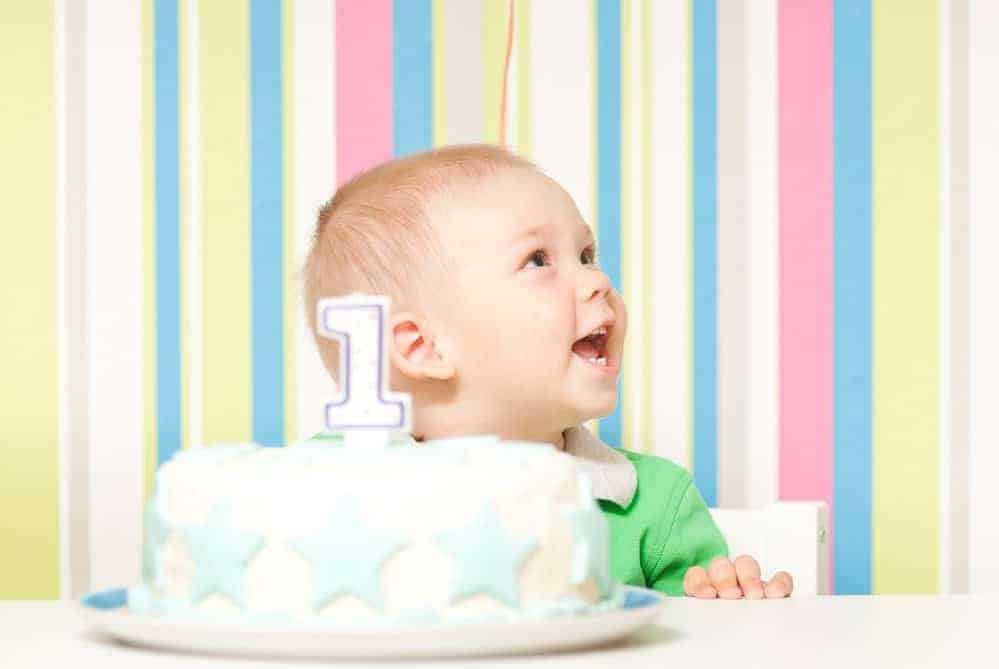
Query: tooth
x=602 y=361
x=591 y=360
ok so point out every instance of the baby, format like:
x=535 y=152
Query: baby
x=502 y=323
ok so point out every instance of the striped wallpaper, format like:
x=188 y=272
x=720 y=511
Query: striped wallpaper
x=794 y=197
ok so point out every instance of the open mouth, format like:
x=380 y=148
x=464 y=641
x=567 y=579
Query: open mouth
x=593 y=347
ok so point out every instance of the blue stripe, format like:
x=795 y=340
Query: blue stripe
x=705 y=252
x=267 y=209
x=609 y=167
x=412 y=86
x=167 y=165
x=852 y=296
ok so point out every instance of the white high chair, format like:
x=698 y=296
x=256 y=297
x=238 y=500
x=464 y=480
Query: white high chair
x=788 y=536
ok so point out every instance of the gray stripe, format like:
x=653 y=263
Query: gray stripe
x=733 y=296
x=75 y=287
x=463 y=87
x=959 y=297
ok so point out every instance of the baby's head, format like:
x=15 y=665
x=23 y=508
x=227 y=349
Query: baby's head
x=490 y=271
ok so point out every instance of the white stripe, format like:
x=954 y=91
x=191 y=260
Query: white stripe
x=636 y=295
x=463 y=88
x=512 y=79
x=191 y=225
x=958 y=402
x=315 y=175
x=945 y=302
x=74 y=351
x=732 y=272
x=983 y=109
x=114 y=255
x=563 y=114
x=671 y=231
x=762 y=250
x=562 y=100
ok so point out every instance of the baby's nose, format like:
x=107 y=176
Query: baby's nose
x=593 y=283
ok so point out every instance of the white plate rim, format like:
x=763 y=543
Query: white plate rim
x=402 y=641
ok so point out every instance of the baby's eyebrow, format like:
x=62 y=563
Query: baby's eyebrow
x=533 y=231
x=536 y=230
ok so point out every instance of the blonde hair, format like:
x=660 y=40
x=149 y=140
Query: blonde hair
x=375 y=234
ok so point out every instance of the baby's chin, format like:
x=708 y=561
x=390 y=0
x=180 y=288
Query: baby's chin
x=593 y=409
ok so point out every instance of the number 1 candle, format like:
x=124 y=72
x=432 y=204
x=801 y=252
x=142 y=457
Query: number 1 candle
x=366 y=411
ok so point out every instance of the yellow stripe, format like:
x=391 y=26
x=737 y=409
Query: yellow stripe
x=291 y=320
x=647 y=288
x=523 y=30
x=29 y=516
x=627 y=104
x=225 y=220
x=439 y=74
x=592 y=118
x=494 y=20
x=148 y=247
x=689 y=148
x=184 y=224
x=594 y=425
x=906 y=295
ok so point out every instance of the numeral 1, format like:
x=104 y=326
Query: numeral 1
x=366 y=410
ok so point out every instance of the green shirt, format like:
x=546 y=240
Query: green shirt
x=665 y=530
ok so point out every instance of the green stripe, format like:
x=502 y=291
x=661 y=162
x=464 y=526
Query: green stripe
x=148 y=248
x=646 y=223
x=29 y=469
x=494 y=20
x=627 y=285
x=225 y=221
x=291 y=320
x=906 y=374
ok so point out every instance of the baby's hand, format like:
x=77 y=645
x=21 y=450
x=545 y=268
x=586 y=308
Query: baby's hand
x=733 y=581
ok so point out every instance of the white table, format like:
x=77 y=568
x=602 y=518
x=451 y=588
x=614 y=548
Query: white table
x=851 y=632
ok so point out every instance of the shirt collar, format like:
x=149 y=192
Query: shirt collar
x=612 y=474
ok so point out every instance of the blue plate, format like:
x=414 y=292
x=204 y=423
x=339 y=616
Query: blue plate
x=634 y=598
x=107 y=599
x=107 y=612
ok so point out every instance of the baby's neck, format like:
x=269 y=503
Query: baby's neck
x=445 y=417
x=556 y=439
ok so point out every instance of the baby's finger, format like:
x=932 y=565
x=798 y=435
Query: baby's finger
x=695 y=584
x=721 y=572
x=748 y=572
x=779 y=586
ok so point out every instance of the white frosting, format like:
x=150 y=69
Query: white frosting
x=284 y=493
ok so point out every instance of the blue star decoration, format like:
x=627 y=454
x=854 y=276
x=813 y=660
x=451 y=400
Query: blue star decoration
x=591 y=547
x=155 y=531
x=347 y=556
x=487 y=557
x=220 y=553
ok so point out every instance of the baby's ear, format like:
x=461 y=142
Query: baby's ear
x=414 y=351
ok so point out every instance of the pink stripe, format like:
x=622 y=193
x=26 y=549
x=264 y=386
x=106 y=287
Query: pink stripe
x=805 y=70
x=363 y=85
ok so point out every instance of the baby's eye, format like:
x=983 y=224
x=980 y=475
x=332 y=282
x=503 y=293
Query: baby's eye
x=588 y=256
x=539 y=257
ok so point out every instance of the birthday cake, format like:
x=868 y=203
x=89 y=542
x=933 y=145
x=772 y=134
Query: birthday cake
x=453 y=531
x=362 y=526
